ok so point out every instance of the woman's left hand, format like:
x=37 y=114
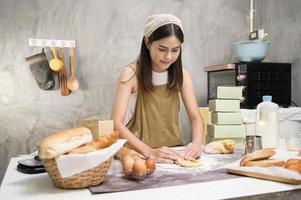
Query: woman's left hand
x=192 y=150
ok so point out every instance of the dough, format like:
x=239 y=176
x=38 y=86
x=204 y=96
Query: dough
x=187 y=163
x=223 y=146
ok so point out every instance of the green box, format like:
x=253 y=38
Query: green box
x=226 y=131
x=229 y=92
x=224 y=118
x=224 y=105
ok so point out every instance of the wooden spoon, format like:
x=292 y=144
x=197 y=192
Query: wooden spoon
x=55 y=63
x=72 y=83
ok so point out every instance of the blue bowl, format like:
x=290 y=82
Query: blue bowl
x=250 y=51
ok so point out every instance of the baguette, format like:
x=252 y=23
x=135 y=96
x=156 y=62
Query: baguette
x=106 y=141
x=257 y=155
x=63 y=142
x=265 y=163
x=97 y=144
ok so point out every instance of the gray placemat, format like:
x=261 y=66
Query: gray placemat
x=168 y=175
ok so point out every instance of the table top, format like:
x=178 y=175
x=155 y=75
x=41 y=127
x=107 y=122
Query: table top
x=16 y=185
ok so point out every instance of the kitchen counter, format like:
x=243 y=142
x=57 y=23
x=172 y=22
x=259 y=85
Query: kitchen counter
x=20 y=186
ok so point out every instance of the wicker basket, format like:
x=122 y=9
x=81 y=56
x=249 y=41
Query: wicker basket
x=87 y=178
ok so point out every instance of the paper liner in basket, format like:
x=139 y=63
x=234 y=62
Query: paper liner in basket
x=71 y=164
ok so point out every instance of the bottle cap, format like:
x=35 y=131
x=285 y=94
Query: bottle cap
x=266 y=98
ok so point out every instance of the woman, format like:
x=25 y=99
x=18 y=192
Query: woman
x=154 y=82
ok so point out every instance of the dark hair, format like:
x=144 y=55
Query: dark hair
x=144 y=70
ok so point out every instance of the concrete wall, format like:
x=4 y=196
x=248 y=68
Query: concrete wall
x=108 y=34
x=281 y=20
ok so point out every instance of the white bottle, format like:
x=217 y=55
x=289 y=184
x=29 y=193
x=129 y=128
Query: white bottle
x=267 y=122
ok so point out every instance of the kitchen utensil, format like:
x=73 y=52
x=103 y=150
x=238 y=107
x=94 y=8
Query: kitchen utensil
x=30 y=162
x=253 y=143
x=63 y=76
x=72 y=82
x=30 y=166
x=250 y=51
x=55 y=63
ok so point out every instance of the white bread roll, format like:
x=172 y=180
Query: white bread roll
x=293 y=164
x=63 y=142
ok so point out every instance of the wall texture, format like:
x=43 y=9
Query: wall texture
x=108 y=34
x=281 y=20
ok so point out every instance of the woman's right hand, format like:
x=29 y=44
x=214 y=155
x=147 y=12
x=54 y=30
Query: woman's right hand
x=164 y=155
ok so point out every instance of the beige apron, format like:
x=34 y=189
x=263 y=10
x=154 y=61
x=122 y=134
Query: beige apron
x=156 y=117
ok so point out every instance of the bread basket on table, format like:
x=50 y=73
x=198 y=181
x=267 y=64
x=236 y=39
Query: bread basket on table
x=87 y=178
x=75 y=141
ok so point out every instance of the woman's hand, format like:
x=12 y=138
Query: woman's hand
x=192 y=150
x=164 y=155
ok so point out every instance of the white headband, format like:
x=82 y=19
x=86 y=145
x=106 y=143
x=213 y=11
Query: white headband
x=158 y=20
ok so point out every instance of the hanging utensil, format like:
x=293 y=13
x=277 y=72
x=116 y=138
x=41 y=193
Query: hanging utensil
x=63 y=76
x=55 y=63
x=72 y=82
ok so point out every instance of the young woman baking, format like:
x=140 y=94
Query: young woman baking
x=152 y=84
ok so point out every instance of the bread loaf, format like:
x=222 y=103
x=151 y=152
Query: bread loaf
x=265 y=163
x=223 y=146
x=63 y=142
x=257 y=155
x=83 y=149
x=97 y=144
x=293 y=164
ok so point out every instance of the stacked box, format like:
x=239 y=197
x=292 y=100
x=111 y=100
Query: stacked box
x=97 y=127
x=226 y=117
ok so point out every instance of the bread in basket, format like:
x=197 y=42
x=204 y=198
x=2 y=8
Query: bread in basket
x=75 y=141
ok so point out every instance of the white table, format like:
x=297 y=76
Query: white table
x=20 y=186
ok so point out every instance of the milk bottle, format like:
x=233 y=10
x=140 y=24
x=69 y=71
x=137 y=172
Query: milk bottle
x=267 y=125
